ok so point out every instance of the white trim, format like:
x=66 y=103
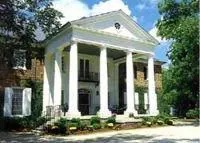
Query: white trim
x=111 y=34
x=110 y=46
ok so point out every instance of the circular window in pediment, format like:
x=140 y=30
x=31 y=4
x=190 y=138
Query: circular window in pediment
x=117 y=25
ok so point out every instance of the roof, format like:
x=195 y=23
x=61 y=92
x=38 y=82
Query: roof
x=79 y=21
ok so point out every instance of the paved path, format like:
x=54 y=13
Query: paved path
x=181 y=133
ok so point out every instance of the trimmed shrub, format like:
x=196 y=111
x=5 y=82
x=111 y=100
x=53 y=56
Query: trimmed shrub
x=61 y=124
x=84 y=125
x=192 y=114
x=111 y=120
x=77 y=121
x=95 y=120
x=72 y=125
x=96 y=126
x=19 y=123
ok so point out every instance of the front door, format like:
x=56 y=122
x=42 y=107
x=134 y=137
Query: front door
x=84 y=103
x=122 y=85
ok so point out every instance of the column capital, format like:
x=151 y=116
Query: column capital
x=73 y=41
x=150 y=55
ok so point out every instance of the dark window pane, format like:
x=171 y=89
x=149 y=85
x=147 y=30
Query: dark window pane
x=135 y=72
x=87 y=68
x=81 y=66
x=145 y=73
x=17 y=99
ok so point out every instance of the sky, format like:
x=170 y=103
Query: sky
x=144 y=12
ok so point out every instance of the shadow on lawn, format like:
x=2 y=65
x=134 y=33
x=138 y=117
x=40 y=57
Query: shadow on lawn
x=119 y=138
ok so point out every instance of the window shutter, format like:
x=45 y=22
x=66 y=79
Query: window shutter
x=8 y=102
x=26 y=102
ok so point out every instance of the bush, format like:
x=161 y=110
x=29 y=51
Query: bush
x=76 y=121
x=111 y=120
x=84 y=125
x=69 y=125
x=95 y=120
x=192 y=114
x=61 y=124
x=96 y=126
x=19 y=123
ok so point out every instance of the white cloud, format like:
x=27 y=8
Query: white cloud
x=153 y=32
x=110 y=5
x=71 y=9
x=75 y=9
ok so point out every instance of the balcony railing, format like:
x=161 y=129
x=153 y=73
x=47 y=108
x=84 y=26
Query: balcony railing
x=88 y=77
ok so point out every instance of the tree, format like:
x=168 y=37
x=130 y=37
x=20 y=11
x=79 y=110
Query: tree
x=19 y=20
x=180 y=23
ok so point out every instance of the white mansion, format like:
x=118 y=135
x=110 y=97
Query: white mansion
x=82 y=65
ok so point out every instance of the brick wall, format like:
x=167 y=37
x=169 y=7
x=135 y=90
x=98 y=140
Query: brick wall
x=12 y=77
x=140 y=81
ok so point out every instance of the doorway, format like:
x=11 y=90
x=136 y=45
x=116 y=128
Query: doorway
x=83 y=101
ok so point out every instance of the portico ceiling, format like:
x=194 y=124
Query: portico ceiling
x=95 y=50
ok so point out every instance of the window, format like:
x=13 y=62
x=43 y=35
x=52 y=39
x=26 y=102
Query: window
x=84 y=67
x=135 y=72
x=87 y=68
x=17 y=100
x=81 y=66
x=19 y=59
x=145 y=73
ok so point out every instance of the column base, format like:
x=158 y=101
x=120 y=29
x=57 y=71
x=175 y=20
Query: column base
x=128 y=113
x=73 y=114
x=104 y=113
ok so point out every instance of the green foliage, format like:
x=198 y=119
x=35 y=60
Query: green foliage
x=70 y=124
x=180 y=24
x=95 y=120
x=76 y=121
x=36 y=98
x=193 y=114
x=61 y=124
x=19 y=123
x=111 y=120
x=160 y=120
x=18 y=23
x=84 y=125
x=96 y=126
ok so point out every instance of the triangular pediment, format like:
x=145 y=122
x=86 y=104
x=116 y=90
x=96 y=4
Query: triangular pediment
x=107 y=22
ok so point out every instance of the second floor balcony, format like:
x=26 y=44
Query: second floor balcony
x=88 y=76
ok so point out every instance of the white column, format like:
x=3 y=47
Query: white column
x=57 y=77
x=104 y=111
x=151 y=88
x=47 y=79
x=73 y=82
x=130 y=85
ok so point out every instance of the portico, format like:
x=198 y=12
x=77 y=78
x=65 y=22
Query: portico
x=62 y=64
